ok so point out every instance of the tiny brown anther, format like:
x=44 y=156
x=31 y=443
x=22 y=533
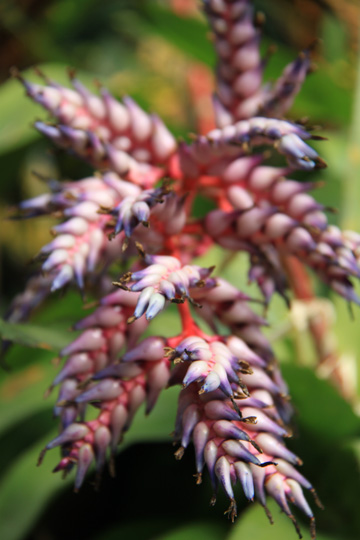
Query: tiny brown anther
x=249 y=420
x=131 y=319
x=213 y=500
x=140 y=249
x=121 y=285
x=198 y=477
x=178 y=300
x=232 y=510
x=179 y=453
x=125 y=244
x=259 y=19
x=104 y=210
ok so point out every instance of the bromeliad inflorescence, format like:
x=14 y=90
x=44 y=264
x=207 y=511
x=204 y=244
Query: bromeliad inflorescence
x=137 y=208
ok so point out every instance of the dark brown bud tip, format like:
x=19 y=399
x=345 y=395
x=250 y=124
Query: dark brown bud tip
x=41 y=457
x=269 y=515
x=71 y=73
x=235 y=406
x=112 y=468
x=48 y=391
x=316 y=499
x=318 y=138
x=312 y=528
x=256 y=446
x=295 y=523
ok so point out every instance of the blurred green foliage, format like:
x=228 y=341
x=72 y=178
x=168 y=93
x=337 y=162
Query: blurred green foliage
x=143 y=48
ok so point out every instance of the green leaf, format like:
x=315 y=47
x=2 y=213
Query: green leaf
x=189 y=35
x=26 y=490
x=200 y=531
x=34 y=336
x=154 y=528
x=22 y=393
x=141 y=530
x=321 y=409
x=254 y=524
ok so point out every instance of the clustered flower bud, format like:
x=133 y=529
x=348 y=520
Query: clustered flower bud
x=234 y=405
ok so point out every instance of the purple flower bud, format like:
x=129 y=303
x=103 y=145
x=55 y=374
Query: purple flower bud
x=56 y=258
x=222 y=471
x=237 y=450
x=196 y=371
x=65 y=275
x=143 y=301
x=210 y=455
x=156 y=304
x=190 y=419
x=275 y=487
x=105 y=390
x=259 y=379
x=290 y=472
x=140 y=122
x=243 y=473
x=274 y=447
x=102 y=439
x=263 y=423
x=218 y=410
x=298 y=497
x=75 y=226
x=297 y=151
x=200 y=438
x=117 y=113
x=228 y=430
x=74 y=432
x=90 y=340
x=75 y=365
x=119 y=419
x=86 y=456
x=150 y=349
